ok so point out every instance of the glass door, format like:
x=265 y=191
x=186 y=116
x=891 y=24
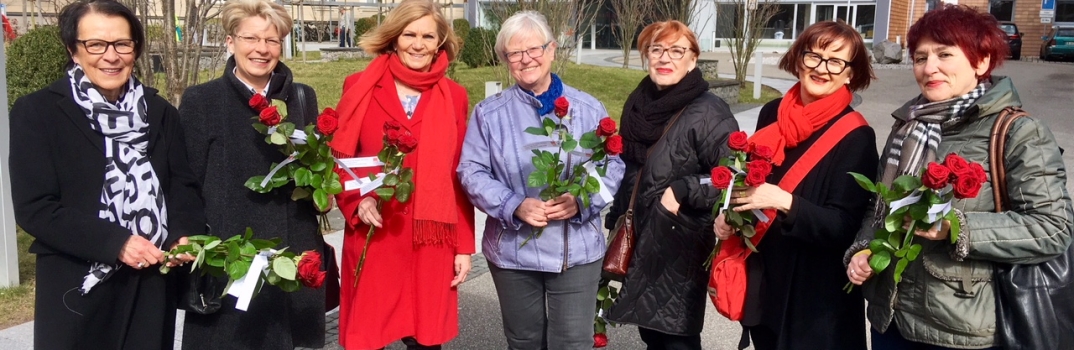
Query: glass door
x=844 y=13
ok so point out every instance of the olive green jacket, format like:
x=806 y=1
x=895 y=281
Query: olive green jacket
x=946 y=297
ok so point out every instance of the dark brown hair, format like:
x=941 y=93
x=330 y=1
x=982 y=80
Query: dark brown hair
x=823 y=34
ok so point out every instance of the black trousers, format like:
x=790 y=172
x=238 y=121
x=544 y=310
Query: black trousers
x=412 y=344
x=656 y=340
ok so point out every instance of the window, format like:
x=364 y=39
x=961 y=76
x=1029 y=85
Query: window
x=1003 y=10
x=801 y=21
x=863 y=22
x=1064 y=11
x=779 y=26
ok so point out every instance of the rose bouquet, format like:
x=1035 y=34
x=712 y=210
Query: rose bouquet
x=249 y=263
x=919 y=202
x=748 y=166
x=309 y=163
x=397 y=181
x=552 y=172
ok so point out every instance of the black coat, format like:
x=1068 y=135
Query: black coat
x=225 y=151
x=57 y=166
x=796 y=279
x=665 y=286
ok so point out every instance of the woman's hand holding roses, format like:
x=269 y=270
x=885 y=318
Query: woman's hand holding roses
x=765 y=196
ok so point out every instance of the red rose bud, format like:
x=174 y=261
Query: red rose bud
x=957 y=165
x=561 y=106
x=600 y=340
x=721 y=177
x=755 y=179
x=607 y=127
x=258 y=102
x=613 y=146
x=270 y=116
x=309 y=270
x=936 y=176
x=738 y=141
x=762 y=152
x=327 y=124
x=392 y=125
x=967 y=186
x=392 y=136
x=761 y=167
x=407 y=143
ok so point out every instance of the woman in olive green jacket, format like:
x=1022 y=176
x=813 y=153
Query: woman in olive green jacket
x=946 y=298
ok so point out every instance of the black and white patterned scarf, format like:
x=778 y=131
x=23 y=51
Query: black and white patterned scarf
x=131 y=196
x=914 y=142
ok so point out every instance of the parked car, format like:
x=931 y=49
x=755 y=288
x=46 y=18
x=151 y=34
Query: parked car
x=1014 y=38
x=1058 y=44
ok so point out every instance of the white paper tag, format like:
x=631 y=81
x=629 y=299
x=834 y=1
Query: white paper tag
x=540 y=145
x=604 y=193
x=272 y=173
x=735 y=172
x=361 y=162
x=243 y=288
x=914 y=197
x=299 y=137
x=372 y=185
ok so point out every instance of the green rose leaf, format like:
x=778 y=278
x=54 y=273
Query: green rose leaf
x=254 y=183
x=569 y=145
x=385 y=193
x=332 y=185
x=277 y=139
x=864 y=182
x=261 y=128
x=284 y=267
x=879 y=261
x=320 y=199
x=602 y=293
x=249 y=233
x=895 y=239
x=216 y=261
x=877 y=245
x=300 y=193
x=956 y=226
x=285 y=128
x=899 y=268
x=237 y=269
x=391 y=180
x=906 y=184
x=316 y=180
x=536 y=131
x=590 y=140
x=318 y=166
x=402 y=192
x=592 y=185
x=302 y=176
x=280 y=107
x=289 y=286
x=913 y=252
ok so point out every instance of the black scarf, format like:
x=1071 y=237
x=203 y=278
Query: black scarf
x=648 y=110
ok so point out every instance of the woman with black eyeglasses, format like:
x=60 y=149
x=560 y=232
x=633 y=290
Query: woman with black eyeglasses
x=224 y=151
x=794 y=298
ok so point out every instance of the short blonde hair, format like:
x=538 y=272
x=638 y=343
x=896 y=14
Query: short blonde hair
x=381 y=39
x=235 y=11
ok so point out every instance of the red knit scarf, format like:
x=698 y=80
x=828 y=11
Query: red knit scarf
x=796 y=122
x=434 y=222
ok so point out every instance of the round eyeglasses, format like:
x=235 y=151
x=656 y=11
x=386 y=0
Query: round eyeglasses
x=533 y=52
x=813 y=60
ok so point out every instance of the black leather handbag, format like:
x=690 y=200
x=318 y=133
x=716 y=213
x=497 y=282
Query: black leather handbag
x=1034 y=303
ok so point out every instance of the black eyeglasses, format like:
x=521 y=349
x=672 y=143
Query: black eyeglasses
x=99 y=47
x=835 y=65
x=533 y=52
x=674 y=52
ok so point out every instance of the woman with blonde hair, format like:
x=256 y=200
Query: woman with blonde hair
x=420 y=251
x=224 y=151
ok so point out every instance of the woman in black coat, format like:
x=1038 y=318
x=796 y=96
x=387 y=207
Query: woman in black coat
x=225 y=151
x=794 y=298
x=99 y=177
x=664 y=290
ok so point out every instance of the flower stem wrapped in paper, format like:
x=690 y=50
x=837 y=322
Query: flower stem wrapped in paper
x=919 y=202
x=748 y=166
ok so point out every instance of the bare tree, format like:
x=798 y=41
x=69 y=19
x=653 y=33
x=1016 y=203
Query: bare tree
x=679 y=10
x=568 y=19
x=182 y=57
x=747 y=20
x=630 y=15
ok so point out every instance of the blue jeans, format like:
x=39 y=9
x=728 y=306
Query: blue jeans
x=893 y=340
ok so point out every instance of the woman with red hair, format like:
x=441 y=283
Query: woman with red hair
x=946 y=299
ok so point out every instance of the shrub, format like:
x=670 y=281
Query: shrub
x=363 y=25
x=477 y=50
x=462 y=29
x=34 y=61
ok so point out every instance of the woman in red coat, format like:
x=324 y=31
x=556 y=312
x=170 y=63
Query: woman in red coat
x=421 y=249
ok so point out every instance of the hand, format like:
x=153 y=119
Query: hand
x=532 y=212
x=180 y=259
x=722 y=229
x=859 y=270
x=669 y=202
x=933 y=233
x=462 y=268
x=368 y=213
x=766 y=196
x=139 y=253
x=561 y=208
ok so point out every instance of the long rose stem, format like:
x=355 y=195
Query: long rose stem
x=365 y=249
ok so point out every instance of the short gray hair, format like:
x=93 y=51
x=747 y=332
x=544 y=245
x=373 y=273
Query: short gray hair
x=530 y=22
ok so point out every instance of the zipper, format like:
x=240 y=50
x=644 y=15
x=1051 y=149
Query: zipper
x=567 y=224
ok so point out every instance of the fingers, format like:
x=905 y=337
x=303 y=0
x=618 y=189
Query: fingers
x=561 y=208
x=368 y=213
x=462 y=269
x=532 y=212
x=859 y=270
x=139 y=253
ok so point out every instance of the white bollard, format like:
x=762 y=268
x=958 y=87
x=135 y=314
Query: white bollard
x=757 y=64
x=9 y=256
x=492 y=88
x=578 y=49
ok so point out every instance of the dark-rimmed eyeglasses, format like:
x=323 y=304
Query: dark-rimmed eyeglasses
x=98 y=47
x=674 y=52
x=533 y=52
x=253 y=40
x=813 y=60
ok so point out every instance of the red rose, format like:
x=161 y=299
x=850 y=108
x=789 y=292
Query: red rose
x=762 y=167
x=270 y=116
x=738 y=141
x=613 y=146
x=979 y=171
x=309 y=270
x=967 y=186
x=607 y=127
x=327 y=124
x=762 y=152
x=721 y=177
x=392 y=137
x=561 y=106
x=755 y=178
x=600 y=340
x=936 y=176
x=957 y=164
x=392 y=125
x=258 y=102
x=407 y=143
x=329 y=112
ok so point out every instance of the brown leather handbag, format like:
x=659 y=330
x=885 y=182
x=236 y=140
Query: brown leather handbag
x=621 y=248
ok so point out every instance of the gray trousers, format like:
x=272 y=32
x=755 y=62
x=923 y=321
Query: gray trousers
x=547 y=310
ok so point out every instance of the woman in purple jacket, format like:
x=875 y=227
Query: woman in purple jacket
x=546 y=287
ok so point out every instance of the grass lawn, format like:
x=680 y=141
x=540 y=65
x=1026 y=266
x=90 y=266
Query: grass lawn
x=17 y=304
x=768 y=93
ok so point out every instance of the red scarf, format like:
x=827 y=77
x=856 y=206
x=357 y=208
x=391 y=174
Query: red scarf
x=796 y=122
x=434 y=223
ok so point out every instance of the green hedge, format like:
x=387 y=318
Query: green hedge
x=477 y=50
x=34 y=61
x=462 y=29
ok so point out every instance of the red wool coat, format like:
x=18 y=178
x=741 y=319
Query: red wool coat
x=404 y=290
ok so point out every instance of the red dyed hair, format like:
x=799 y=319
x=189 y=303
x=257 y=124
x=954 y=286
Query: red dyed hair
x=976 y=34
x=665 y=31
x=823 y=34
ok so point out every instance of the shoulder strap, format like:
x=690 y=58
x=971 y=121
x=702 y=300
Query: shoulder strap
x=637 y=179
x=820 y=148
x=997 y=145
